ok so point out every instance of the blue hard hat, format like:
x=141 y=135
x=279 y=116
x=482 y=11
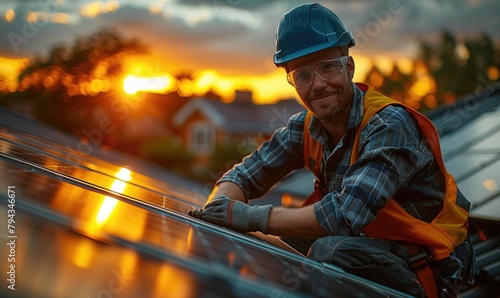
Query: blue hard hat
x=307 y=29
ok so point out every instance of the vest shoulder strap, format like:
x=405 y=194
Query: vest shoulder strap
x=312 y=149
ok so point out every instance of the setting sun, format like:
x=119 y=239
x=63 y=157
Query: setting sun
x=158 y=84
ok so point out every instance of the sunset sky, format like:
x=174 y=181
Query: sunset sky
x=229 y=44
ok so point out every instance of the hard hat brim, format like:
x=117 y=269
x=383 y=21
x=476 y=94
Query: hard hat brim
x=344 y=40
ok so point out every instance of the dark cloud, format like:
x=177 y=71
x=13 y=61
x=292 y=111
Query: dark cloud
x=213 y=44
x=237 y=36
x=22 y=39
x=252 y=5
x=395 y=27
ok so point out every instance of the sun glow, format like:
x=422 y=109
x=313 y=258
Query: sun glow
x=9 y=72
x=266 y=88
x=158 y=84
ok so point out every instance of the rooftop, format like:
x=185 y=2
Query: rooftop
x=106 y=224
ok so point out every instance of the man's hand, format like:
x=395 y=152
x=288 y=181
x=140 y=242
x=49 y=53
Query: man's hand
x=235 y=215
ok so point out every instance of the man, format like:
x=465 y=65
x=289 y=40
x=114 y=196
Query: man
x=383 y=205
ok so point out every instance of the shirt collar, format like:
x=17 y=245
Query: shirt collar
x=317 y=130
x=356 y=113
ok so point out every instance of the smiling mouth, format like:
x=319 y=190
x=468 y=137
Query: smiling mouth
x=323 y=97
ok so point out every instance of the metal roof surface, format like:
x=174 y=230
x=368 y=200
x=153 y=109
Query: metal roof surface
x=470 y=142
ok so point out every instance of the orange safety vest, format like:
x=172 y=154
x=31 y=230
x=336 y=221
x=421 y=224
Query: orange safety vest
x=440 y=236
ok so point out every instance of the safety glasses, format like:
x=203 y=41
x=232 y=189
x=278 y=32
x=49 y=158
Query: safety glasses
x=325 y=70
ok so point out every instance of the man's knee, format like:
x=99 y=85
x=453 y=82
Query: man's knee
x=348 y=251
x=322 y=250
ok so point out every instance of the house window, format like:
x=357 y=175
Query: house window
x=202 y=139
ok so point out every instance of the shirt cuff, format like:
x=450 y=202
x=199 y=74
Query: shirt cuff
x=325 y=214
x=233 y=178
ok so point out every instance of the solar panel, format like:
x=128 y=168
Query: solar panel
x=90 y=227
x=472 y=154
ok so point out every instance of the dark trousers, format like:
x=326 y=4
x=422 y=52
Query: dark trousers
x=377 y=260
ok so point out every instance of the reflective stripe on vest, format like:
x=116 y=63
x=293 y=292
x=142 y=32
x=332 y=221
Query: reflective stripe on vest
x=445 y=232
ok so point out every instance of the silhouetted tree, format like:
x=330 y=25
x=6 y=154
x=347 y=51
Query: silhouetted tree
x=69 y=77
x=444 y=66
x=481 y=58
x=375 y=78
x=395 y=84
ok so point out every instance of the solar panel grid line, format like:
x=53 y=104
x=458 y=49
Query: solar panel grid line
x=12 y=124
x=483 y=201
x=492 y=270
x=207 y=245
x=33 y=141
x=264 y=288
x=84 y=159
x=67 y=142
x=471 y=143
x=482 y=246
x=464 y=113
x=105 y=175
x=485 y=164
x=80 y=182
x=39 y=210
x=57 y=163
x=62 y=177
x=479 y=151
x=70 y=152
x=252 y=262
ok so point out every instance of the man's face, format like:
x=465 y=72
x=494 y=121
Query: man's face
x=326 y=99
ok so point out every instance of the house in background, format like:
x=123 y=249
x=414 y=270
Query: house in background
x=206 y=126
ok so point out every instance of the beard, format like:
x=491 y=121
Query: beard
x=327 y=105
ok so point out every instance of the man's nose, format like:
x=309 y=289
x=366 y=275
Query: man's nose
x=317 y=81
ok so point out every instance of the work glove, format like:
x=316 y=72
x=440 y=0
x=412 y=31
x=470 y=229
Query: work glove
x=235 y=215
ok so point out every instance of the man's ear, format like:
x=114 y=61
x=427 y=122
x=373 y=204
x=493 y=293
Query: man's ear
x=350 y=67
x=285 y=66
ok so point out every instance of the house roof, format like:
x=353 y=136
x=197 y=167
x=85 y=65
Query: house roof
x=470 y=141
x=239 y=117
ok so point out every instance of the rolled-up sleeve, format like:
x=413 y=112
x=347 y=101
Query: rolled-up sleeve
x=273 y=160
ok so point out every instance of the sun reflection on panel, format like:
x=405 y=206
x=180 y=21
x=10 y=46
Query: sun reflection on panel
x=174 y=282
x=109 y=204
x=189 y=239
x=109 y=216
x=84 y=253
x=489 y=184
x=128 y=263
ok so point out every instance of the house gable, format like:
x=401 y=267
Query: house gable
x=198 y=105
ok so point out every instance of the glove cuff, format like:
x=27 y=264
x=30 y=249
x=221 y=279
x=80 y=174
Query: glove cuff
x=259 y=218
